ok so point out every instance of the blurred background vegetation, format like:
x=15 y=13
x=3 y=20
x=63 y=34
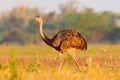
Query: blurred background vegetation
x=18 y=27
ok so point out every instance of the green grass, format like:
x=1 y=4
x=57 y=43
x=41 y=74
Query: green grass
x=99 y=62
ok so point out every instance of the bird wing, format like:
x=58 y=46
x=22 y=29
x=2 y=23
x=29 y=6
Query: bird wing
x=73 y=39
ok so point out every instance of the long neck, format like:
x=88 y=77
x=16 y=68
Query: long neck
x=43 y=36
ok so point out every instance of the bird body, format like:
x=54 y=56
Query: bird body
x=64 y=41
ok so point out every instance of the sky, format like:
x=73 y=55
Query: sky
x=53 y=5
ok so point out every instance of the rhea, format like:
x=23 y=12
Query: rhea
x=66 y=40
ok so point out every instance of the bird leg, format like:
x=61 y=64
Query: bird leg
x=72 y=54
x=61 y=61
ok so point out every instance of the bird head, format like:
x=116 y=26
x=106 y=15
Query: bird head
x=38 y=19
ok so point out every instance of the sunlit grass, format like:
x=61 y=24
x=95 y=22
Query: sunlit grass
x=99 y=62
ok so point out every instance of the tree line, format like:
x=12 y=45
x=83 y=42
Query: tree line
x=18 y=26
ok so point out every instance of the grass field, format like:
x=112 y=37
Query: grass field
x=99 y=62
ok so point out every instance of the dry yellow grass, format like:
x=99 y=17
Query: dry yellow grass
x=99 y=62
